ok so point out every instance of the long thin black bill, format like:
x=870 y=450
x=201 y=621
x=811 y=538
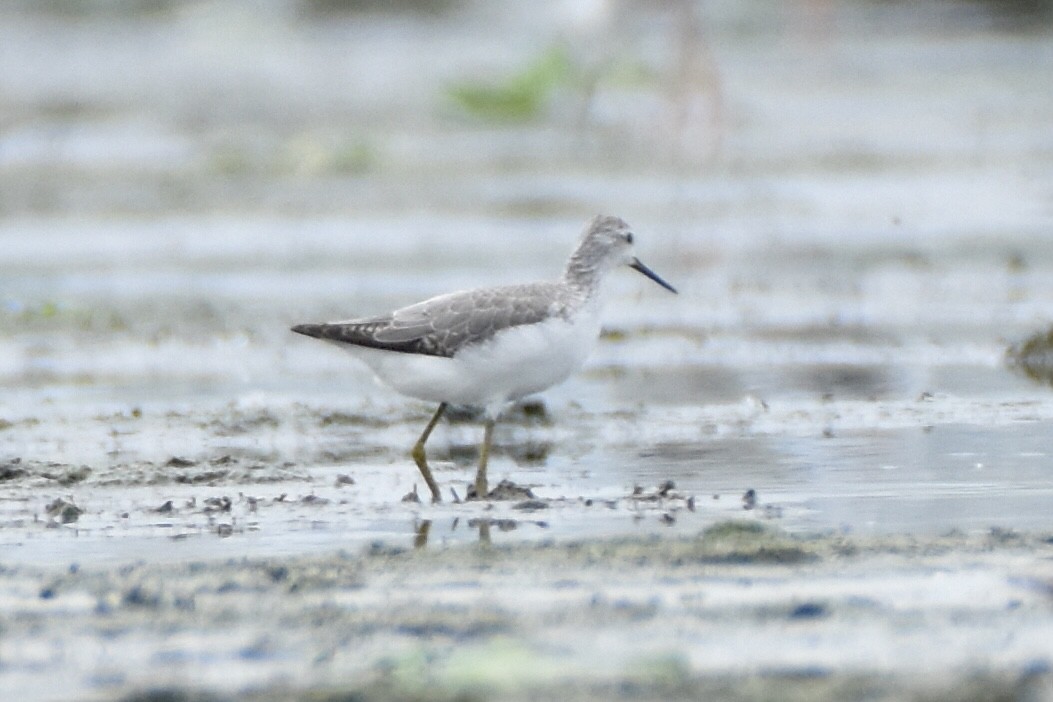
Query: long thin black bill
x=637 y=266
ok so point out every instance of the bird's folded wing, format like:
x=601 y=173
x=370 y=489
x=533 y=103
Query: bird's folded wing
x=444 y=325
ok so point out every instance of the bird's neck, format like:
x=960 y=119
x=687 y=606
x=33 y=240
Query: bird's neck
x=585 y=279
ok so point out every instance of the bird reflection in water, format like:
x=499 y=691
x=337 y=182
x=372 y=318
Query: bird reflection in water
x=422 y=528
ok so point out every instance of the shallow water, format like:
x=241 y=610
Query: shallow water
x=854 y=200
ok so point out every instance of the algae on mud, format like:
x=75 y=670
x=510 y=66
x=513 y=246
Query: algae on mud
x=1033 y=356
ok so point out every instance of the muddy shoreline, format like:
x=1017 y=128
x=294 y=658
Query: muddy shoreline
x=741 y=610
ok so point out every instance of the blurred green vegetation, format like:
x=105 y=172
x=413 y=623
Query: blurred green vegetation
x=49 y=314
x=305 y=153
x=519 y=96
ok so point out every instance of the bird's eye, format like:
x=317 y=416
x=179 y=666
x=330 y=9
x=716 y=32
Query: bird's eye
x=629 y=238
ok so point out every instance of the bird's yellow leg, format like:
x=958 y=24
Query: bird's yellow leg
x=484 y=457
x=420 y=459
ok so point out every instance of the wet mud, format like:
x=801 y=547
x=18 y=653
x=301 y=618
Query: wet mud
x=741 y=610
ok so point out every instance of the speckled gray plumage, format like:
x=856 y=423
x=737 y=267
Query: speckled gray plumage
x=444 y=325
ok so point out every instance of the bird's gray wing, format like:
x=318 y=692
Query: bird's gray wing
x=444 y=325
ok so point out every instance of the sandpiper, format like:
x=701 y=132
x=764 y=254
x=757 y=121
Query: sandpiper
x=491 y=346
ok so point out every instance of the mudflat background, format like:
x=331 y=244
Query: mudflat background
x=855 y=200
